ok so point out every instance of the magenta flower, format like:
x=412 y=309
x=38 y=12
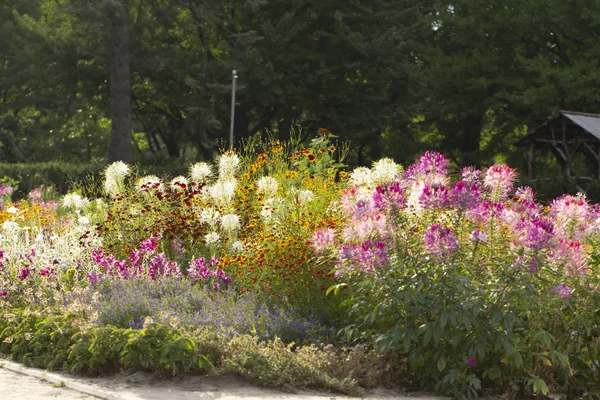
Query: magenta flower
x=6 y=190
x=500 y=179
x=563 y=291
x=322 y=239
x=471 y=362
x=98 y=255
x=464 y=195
x=478 y=236
x=93 y=277
x=572 y=216
x=434 y=196
x=149 y=245
x=35 y=196
x=45 y=272
x=569 y=255
x=389 y=197
x=24 y=274
x=525 y=193
x=198 y=270
x=3 y=293
x=537 y=234
x=439 y=241
x=471 y=175
x=430 y=168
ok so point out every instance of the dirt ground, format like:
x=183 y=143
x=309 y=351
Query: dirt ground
x=17 y=382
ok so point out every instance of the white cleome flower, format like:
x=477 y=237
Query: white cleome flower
x=210 y=216
x=305 y=196
x=149 y=182
x=212 y=238
x=114 y=176
x=12 y=210
x=223 y=191
x=228 y=164
x=267 y=185
x=385 y=170
x=75 y=201
x=10 y=226
x=362 y=176
x=200 y=172
x=177 y=182
x=237 y=246
x=230 y=222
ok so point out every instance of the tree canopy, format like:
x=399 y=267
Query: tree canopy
x=466 y=77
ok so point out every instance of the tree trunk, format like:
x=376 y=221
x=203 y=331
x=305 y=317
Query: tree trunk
x=470 y=152
x=120 y=85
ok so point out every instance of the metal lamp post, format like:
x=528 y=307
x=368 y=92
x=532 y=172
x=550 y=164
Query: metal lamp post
x=233 y=80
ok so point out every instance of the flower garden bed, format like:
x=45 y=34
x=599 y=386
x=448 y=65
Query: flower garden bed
x=275 y=264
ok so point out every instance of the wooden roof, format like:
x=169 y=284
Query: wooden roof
x=590 y=123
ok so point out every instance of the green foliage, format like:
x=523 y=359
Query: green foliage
x=56 y=342
x=161 y=349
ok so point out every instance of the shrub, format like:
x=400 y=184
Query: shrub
x=466 y=280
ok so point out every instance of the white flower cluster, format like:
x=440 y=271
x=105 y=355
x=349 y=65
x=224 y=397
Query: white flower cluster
x=362 y=176
x=386 y=170
x=74 y=200
x=305 y=196
x=212 y=238
x=210 y=216
x=267 y=185
x=200 y=172
x=228 y=164
x=223 y=191
x=149 y=182
x=178 y=180
x=113 y=178
x=230 y=222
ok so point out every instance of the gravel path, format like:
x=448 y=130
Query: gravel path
x=18 y=382
x=15 y=386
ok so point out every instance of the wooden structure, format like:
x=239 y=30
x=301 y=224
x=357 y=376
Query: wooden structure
x=565 y=135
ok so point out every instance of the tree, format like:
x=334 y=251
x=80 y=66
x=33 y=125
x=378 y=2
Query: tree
x=120 y=84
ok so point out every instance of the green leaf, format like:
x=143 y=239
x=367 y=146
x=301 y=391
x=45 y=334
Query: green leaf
x=441 y=364
x=540 y=386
